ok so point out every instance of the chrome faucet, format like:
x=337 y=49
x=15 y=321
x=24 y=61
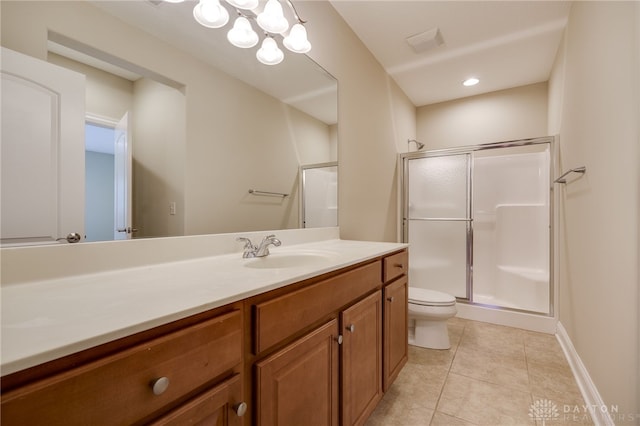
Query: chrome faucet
x=262 y=250
x=249 y=248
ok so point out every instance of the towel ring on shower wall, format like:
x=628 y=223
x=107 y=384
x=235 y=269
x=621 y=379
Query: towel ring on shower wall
x=562 y=179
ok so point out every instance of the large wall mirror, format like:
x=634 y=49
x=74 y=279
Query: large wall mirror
x=204 y=120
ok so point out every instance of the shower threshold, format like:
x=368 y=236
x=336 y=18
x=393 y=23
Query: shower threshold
x=493 y=314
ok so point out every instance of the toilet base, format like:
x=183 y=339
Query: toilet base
x=430 y=334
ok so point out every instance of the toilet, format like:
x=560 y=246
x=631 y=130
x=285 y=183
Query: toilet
x=429 y=311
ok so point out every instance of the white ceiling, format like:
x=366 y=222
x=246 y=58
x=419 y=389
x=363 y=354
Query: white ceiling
x=503 y=43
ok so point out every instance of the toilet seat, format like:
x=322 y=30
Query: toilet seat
x=425 y=297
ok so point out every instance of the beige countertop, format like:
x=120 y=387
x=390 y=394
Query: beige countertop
x=47 y=319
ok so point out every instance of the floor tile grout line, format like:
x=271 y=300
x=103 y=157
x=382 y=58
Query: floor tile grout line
x=455 y=352
x=466 y=332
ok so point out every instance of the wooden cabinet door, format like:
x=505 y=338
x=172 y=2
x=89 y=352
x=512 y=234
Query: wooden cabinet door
x=298 y=385
x=219 y=406
x=361 y=359
x=395 y=329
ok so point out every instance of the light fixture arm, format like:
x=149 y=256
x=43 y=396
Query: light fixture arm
x=295 y=12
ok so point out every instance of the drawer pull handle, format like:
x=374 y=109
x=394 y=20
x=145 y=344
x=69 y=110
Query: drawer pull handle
x=398 y=265
x=240 y=409
x=160 y=385
x=339 y=339
x=351 y=328
x=390 y=299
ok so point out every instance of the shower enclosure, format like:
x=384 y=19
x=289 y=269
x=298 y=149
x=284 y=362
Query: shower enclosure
x=319 y=195
x=478 y=220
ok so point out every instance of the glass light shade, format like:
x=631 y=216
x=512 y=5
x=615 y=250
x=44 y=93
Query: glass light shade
x=243 y=4
x=211 y=14
x=242 y=35
x=269 y=53
x=297 y=41
x=272 y=18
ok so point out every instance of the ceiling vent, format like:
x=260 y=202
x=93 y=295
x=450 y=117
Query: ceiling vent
x=426 y=41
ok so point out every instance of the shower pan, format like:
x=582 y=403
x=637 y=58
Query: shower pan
x=479 y=222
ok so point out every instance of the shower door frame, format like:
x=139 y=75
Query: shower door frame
x=403 y=164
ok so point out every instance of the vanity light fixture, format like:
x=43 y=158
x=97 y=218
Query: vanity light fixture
x=211 y=14
x=269 y=53
x=470 y=82
x=242 y=35
x=271 y=20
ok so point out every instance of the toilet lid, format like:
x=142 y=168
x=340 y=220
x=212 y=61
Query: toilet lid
x=423 y=296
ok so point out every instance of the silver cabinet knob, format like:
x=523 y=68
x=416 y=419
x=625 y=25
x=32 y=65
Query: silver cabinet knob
x=160 y=385
x=339 y=339
x=351 y=327
x=390 y=299
x=240 y=409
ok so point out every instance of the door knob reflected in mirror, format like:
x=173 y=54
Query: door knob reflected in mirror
x=71 y=238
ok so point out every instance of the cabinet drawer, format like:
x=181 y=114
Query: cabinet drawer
x=395 y=265
x=217 y=406
x=283 y=316
x=118 y=389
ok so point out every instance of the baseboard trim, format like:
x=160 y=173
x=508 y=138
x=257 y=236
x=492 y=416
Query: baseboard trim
x=592 y=398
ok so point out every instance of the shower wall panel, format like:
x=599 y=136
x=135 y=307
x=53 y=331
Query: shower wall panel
x=511 y=229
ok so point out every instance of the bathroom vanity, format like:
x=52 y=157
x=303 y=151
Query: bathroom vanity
x=313 y=344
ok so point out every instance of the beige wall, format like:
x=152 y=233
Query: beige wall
x=375 y=118
x=107 y=95
x=594 y=106
x=224 y=156
x=158 y=125
x=511 y=114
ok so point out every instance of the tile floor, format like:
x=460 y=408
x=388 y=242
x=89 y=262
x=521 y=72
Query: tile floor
x=492 y=375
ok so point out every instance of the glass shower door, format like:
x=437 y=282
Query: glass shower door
x=438 y=222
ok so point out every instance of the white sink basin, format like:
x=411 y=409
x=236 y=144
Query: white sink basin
x=289 y=260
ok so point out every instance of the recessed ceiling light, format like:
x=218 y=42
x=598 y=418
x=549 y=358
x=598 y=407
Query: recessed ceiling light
x=471 y=81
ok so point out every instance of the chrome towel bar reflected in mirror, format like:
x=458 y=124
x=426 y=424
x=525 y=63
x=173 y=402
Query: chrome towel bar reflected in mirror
x=267 y=193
